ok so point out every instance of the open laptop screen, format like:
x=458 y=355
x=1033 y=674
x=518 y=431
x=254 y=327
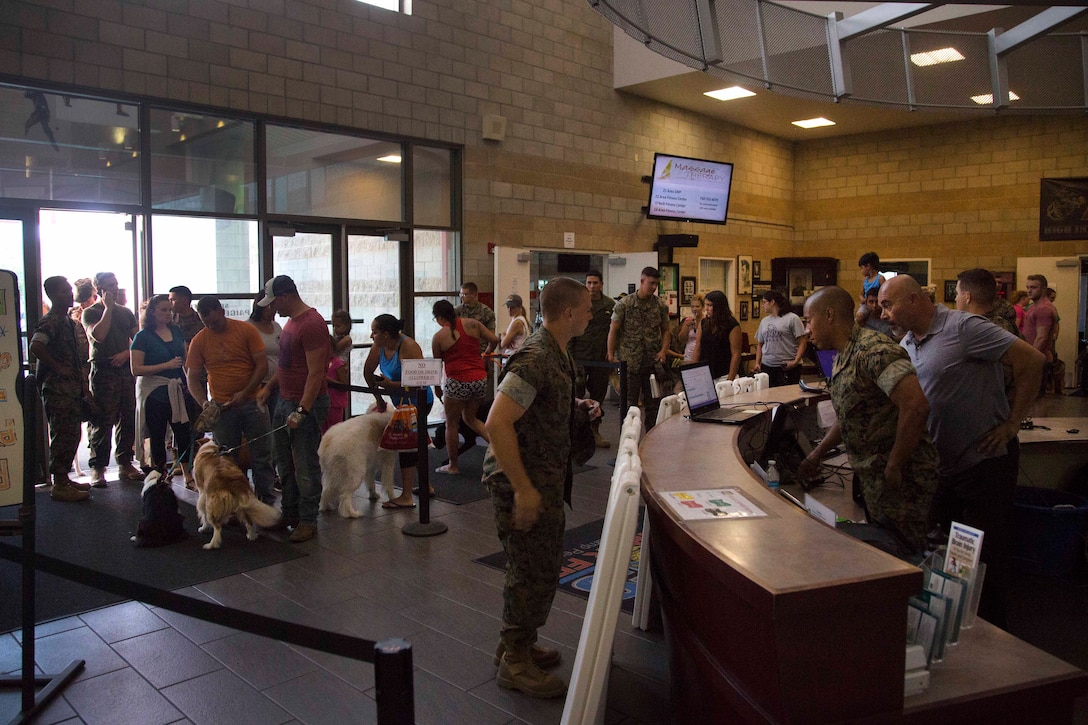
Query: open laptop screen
x=698 y=386
x=827 y=361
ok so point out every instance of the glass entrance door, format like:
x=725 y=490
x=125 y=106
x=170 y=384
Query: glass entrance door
x=13 y=229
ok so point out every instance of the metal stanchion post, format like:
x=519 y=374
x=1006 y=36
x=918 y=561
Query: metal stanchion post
x=423 y=527
x=393 y=682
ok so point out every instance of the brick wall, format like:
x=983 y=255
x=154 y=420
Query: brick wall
x=965 y=195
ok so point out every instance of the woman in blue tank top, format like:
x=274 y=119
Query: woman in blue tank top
x=390 y=347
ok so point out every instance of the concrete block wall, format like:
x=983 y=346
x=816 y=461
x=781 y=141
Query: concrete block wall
x=574 y=149
x=965 y=195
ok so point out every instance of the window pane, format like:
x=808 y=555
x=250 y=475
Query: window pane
x=202 y=163
x=436 y=261
x=68 y=148
x=307 y=259
x=332 y=175
x=431 y=186
x=11 y=251
x=65 y=249
x=425 y=324
x=209 y=256
x=373 y=278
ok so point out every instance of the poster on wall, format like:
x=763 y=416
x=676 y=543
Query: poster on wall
x=11 y=409
x=1063 y=209
x=744 y=275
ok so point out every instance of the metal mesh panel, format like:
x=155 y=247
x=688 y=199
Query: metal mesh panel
x=738 y=27
x=675 y=29
x=949 y=84
x=1063 y=86
x=796 y=47
x=876 y=67
x=625 y=14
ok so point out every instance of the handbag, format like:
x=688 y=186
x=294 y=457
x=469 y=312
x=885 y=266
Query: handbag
x=400 y=433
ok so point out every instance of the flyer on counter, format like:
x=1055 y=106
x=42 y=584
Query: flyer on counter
x=964 y=548
x=719 y=503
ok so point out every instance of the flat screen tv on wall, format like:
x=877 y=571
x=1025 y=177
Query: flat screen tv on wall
x=689 y=190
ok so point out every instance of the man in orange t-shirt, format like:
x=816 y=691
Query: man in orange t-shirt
x=233 y=354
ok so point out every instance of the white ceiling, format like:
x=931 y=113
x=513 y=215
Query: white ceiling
x=644 y=73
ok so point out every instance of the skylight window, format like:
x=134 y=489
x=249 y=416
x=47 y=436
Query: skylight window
x=401 y=6
x=729 y=94
x=814 y=123
x=936 y=57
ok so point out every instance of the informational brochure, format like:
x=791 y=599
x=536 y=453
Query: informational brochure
x=720 y=503
x=964 y=549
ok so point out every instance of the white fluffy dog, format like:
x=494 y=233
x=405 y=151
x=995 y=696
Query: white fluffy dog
x=349 y=455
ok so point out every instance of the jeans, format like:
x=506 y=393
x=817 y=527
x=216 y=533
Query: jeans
x=157 y=416
x=250 y=421
x=296 y=459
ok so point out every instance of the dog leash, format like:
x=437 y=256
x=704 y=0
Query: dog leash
x=225 y=451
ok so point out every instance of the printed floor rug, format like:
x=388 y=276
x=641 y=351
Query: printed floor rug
x=580 y=546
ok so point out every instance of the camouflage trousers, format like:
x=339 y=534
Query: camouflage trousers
x=593 y=381
x=62 y=412
x=638 y=384
x=114 y=392
x=533 y=560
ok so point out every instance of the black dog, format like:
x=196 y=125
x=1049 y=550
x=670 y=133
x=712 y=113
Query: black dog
x=161 y=523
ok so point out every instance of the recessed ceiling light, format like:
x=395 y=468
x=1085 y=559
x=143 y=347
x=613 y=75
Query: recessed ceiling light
x=987 y=99
x=390 y=159
x=814 y=123
x=934 y=57
x=729 y=94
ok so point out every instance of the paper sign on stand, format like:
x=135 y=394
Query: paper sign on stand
x=420 y=373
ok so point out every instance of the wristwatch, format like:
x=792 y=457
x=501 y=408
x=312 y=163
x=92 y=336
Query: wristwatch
x=302 y=411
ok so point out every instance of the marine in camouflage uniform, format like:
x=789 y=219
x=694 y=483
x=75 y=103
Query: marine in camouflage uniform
x=485 y=315
x=539 y=377
x=62 y=388
x=643 y=323
x=865 y=374
x=593 y=345
x=114 y=391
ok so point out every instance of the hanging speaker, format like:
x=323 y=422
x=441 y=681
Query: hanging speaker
x=494 y=127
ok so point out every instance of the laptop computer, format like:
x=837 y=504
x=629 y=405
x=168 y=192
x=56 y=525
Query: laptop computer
x=702 y=398
x=826 y=358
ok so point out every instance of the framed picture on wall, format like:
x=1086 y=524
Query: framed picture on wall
x=744 y=311
x=950 y=290
x=687 y=289
x=755 y=308
x=744 y=275
x=670 y=278
x=672 y=299
x=799 y=283
x=757 y=270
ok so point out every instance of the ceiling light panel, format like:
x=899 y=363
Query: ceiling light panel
x=814 y=123
x=936 y=57
x=729 y=94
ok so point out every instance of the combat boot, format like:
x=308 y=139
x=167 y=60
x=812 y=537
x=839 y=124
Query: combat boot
x=600 y=442
x=63 y=480
x=543 y=657
x=517 y=672
x=63 y=492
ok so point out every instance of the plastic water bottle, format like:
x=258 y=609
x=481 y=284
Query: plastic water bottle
x=655 y=387
x=772 y=474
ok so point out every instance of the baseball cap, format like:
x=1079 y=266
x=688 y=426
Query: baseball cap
x=278 y=285
x=514 y=301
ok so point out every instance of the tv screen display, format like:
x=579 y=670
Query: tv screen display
x=689 y=190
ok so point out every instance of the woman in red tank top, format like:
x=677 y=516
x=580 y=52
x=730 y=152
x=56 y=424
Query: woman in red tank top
x=457 y=344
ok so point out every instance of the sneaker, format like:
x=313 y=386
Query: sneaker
x=128 y=472
x=98 y=477
x=526 y=677
x=63 y=492
x=303 y=532
x=543 y=657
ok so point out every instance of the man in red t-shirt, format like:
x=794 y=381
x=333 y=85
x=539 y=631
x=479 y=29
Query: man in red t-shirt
x=232 y=354
x=1039 y=321
x=305 y=349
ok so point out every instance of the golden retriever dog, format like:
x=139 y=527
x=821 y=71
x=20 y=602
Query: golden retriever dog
x=349 y=455
x=224 y=490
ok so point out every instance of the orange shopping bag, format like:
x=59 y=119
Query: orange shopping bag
x=400 y=433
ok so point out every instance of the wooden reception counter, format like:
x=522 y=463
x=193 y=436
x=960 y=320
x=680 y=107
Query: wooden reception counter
x=783 y=619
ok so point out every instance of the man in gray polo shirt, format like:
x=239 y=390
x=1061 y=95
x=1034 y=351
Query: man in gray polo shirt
x=959 y=359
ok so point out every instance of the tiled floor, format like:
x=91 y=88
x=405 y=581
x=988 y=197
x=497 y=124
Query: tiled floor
x=362 y=577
